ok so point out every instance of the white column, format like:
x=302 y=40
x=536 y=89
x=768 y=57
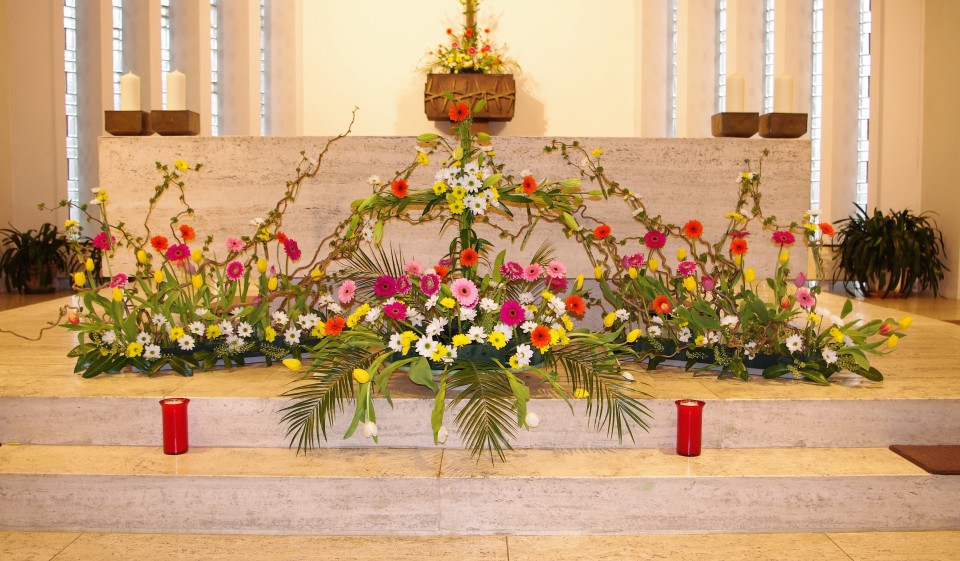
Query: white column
x=651 y=70
x=240 y=67
x=696 y=66
x=94 y=86
x=284 y=57
x=745 y=49
x=141 y=49
x=792 y=50
x=190 y=53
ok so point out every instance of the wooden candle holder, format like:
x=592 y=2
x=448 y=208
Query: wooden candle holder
x=783 y=125
x=176 y=123
x=127 y=123
x=735 y=125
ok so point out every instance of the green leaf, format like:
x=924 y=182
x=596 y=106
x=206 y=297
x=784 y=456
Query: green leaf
x=436 y=418
x=847 y=308
x=378 y=232
x=483 y=137
x=420 y=374
x=427 y=137
x=361 y=409
x=521 y=392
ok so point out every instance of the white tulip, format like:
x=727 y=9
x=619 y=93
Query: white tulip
x=369 y=429
x=533 y=420
x=442 y=435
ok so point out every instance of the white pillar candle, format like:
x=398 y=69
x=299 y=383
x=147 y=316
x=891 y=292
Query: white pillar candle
x=783 y=94
x=129 y=92
x=734 y=93
x=176 y=91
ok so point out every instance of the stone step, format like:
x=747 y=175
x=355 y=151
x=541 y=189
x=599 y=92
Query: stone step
x=447 y=492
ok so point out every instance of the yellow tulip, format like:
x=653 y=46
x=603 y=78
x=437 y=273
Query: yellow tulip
x=598 y=272
x=197 y=281
x=653 y=264
x=738 y=258
x=609 y=319
x=749 y=275
x=690 y=283
x=196 y=256
x=580 y=393
x=158 y=276
x=117 y=295
x=578 y=284
x=784 y=257
x=292 y=364
x=272 y=283
x=141 y=256
x=892 y=341
x=262 y=265
x=905 y=322
x=79 y=278
x=316 y=274
x=88 y=264
x=632 y=271
x=681 y=254
x=633 y=335
x=361 y=375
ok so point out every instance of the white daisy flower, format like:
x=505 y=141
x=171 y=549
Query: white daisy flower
x=186 y=343
x=256 y=221
x=395 y=343
x=794 y=343
x=524 y=355
x=477 y=334
x=415 y=317
x=245 y=329
x=558 y=305
x=335 y=308
x=654 y=331
x=657 y=320
x=713 y=337
x=505 y=329
x=372 y=315
x=197 y=328
x=291 y=336
x=684 y=335
x=200 y=312
x=489 y=305
x=236 y=311
x=426 y=347
x=225 y=327
x=728 y=321
x=325 y=301
x=232 y=340
x=476 y=205
x=622 y=314
x=280 y=318
x=143 y=337
x=830 y=355
x=525 y=298
x=436 y=326
x=160 y=320
x=432 y=301
x=528 y=326
x=151 y=352
x=374 y=180
x=307 y=321
x=109 y=337
x=468 y=314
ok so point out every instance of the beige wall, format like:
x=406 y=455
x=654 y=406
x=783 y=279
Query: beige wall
x=6 y=190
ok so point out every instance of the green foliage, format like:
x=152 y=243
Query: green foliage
x=30 y=258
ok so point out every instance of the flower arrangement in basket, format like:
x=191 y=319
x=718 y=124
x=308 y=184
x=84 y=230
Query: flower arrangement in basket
x=470 y=51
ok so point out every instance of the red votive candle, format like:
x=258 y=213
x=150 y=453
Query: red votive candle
x=689 y=426
x=175 y=425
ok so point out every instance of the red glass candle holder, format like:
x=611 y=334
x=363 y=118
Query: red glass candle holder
x=175 y=439
x=689 y=426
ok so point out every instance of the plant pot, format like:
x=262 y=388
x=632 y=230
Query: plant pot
x=40 y=281
x=498 y=90
x=704 y=355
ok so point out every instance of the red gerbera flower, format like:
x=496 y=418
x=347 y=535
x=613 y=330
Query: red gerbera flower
x=399 y=188
x=159 y=243
x=601 y=231
x=281 y=237
x=661 y=305
x=783 y=237
x=738 y=246
x=576 y=305
x=529 y=184
x=693 y=229
x=540 y=337
x=441 y=270
x=827 y=229
x=187 y=233
x=654 y=239
x=459 y=112
x=469 y=32
x=469 y=257
x=334 y=325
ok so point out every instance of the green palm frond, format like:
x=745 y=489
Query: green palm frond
x=488 y=417
x=364 y=269
x=317 y=402
x=611 y=401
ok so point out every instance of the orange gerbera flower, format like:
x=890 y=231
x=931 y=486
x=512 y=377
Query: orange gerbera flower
x=601 y=231
x=576 y=305
x=738 y=246
x=335 y=325
x=529 y=184
x=281 y=237
x=827 y=229
x=540 y=338
x=187 y=233
x=458 y=112
x=441 y=270
x=661 y=305
x=399 y=188
x=693 y=229
x=159 y=243
x=469 y=257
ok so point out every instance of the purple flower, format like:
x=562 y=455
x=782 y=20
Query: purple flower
x=292 y=250
x=235 y=270
x=511 y=270
x=783 y=237
x=118 y=280
x=178 y=252
x=686 y=268
x=512 y=313
x=429 y=284
x=556 y=284
x=385 y=286
x=708 y=283
x=635 y=260
x=100 y=241
x=800 y=280
x=397 y=310
x=403 y=284
x=654 y=239
x=805 y=298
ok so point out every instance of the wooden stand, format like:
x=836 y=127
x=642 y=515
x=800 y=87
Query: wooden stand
x=783 y=125
x=127 y=123
x=736 y=125
x=176 y=123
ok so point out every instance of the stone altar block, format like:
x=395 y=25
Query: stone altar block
x=243 y=177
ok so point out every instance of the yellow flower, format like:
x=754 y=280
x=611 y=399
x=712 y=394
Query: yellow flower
x=738 y=258
x=532 y=309
x=319 y=331
x=690 y=283
x=262 y=265
x=272 y=283
x=744 y=175
x=422 y=159
x=810 y=227
x=513 y=362
x=134 y=349
x=632 y=271
x=88 y=265
x=892 y=341
x=905 y=322
x=213 y=331
x=102 y=195
x=460 y=340
x=70 y=224
x=354 y=318
x=497 y=340
x=813 y=318
x=316 y=274
x=361 y=375
x=556 y=335
x=448 y=302
x=181 y=165
x=491 y=153
x=292 y=364
x=546 y=295
x=749 y=274
x=609 y=319
x=580 y=393
x=158 y=276
x=176 y=333
x=456 y=207
x=439 y=353
x=494 y=194
x=406 y=338
x=141 y=256
x=634 y=335
x=681 y=254
x=784 y=257
x=269 y=333
x=736 y=216
x=117 y=295
x=578 y=284
x=598 y=272
x=263 y=234
x=459 y=192
x=439 y=188
x=653 y=264
x=79 y=278
x=596 y=152
x=836 y=334
x=196 y=256
x=700 y=340
x=197 y=281
x=567 y=324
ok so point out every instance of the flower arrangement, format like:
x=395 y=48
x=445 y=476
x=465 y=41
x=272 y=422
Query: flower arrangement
x=469 y=52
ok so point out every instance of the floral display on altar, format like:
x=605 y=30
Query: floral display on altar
x=351 y=313
x=469 y=51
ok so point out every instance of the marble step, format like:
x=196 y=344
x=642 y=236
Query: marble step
x=446 y=492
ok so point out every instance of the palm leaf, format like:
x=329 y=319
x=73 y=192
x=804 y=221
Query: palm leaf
x=488 y=417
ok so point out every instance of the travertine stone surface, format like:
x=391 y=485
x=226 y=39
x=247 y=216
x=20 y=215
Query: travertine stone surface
x=243 y=177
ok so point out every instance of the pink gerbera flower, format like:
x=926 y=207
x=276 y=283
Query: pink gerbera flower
x=512 y=313
x=557 y=284
x=346 y=292
x=396 y=310
x=385 y=286
x=178 y=252
x=686 y=268
x=429 y=284
x=635 y=260
x=234 y=243
x=413 y=268
x=119 y=280
x=654 y=239
x=511 y=270
x=100 y=241
x=783 y=237
x=292 y=250
x=805 y=298
x=556 y=270
x=235 y=270
x=465 y=292
x=403 y=284
x=532 y=272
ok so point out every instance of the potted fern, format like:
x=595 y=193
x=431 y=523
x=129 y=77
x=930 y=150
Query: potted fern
x=890 y=255
x=31 y=259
